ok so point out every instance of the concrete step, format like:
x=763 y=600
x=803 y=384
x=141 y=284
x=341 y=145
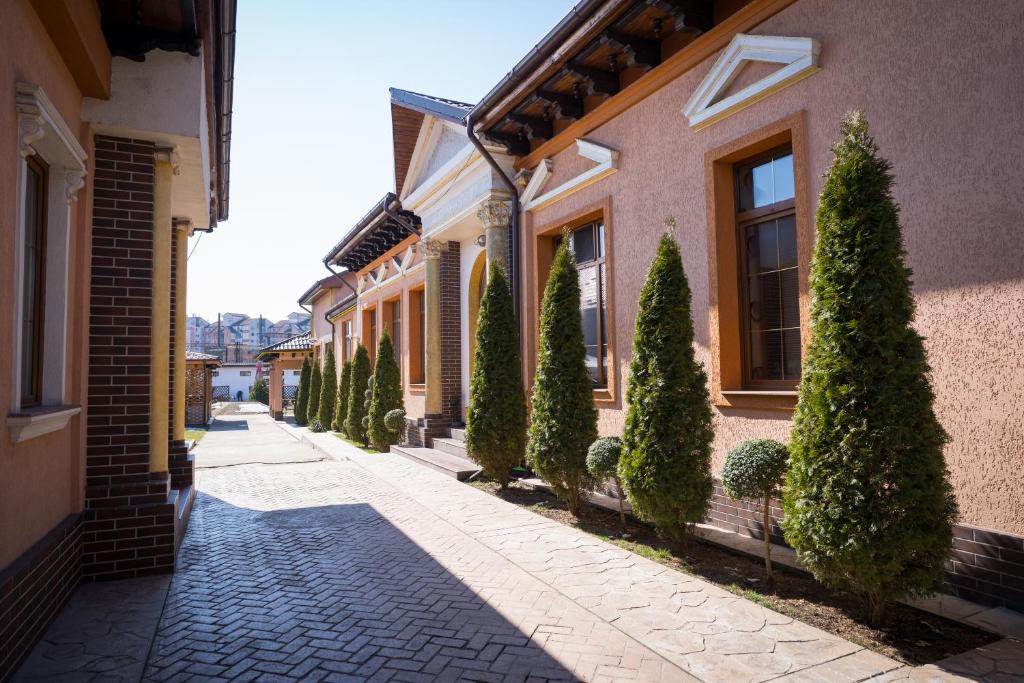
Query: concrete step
x=458 y=434
x=446 y=463
x=453 y=446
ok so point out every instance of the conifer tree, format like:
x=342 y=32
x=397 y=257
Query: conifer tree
x=302 y=396
x=341 y=407
x=496 y=418
x=356 y=406
x=564 y=419
x=386 y=394
x=868 y=505
x=313 y=407
x=666 y=452
x=328 y=390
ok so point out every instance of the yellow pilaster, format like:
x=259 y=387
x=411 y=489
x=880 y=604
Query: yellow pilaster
x=432 y=255
x=181 y=283
x=161 y=315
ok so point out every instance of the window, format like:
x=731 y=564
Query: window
x=417 y=337
x=244 y=373
x=760 y=236
x=768 y=270
x=395 y=310
x=588 y=246
x=346 y=340
x=370 y=332
x=33 y=282
x=296 y=373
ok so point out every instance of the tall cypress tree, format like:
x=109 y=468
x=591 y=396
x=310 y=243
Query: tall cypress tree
x=386 y=395
x=313 y=407
x=356 y=403
x=666 y=456
x=341 y=408
x=868 y=505
x=328 y=390
x=302 y=396
x=564 y=419
x=496 y=419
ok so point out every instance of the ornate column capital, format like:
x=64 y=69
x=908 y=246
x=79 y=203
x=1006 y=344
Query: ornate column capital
x=495 y=214
x=432 y=249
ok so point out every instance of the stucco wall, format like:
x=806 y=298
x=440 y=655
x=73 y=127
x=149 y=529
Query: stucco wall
x=41 y=480
x=940 y=83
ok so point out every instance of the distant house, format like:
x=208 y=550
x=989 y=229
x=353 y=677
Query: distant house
x=237 y=377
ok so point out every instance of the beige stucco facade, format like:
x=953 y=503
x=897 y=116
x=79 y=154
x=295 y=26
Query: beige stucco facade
x=941 y=92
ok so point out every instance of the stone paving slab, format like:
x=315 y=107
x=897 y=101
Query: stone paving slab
x=244 y=438
x=103 y=634
x=321 y=571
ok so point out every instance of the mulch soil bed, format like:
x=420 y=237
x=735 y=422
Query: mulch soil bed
x=909 y=635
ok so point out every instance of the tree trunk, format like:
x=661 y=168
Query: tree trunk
x=768 y=542
x=877 y=605
x=622 y=508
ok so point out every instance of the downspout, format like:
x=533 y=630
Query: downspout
x=513 y=275
x=345 y=282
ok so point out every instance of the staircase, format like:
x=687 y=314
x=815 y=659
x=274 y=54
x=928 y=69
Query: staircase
x=446 y=454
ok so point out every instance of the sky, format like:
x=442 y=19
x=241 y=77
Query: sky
x=311 y=144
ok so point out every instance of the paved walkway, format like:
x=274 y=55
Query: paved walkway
x=370 y=567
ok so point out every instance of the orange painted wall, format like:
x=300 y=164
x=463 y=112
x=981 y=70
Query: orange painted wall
x=41 y=480
x=940 y=84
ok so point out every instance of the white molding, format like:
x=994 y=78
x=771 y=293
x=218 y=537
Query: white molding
x=537 y=180
x=607 y=163
x=29 y=425
x=426 y=139
x=43 y=132
x=449 y=172
x=799 y=57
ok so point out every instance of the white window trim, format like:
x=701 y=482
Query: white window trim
x=798 y=57
x=42 y=132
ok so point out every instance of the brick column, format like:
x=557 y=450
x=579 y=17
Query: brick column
x=451 y=334
x=129 y=519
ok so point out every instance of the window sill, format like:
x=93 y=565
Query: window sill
x=759 y=399
x=417 y=389
x=603 y=396
x=33 y=422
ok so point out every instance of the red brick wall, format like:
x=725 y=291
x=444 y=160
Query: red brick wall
x=129 y=525
x=451 y=335
x=33 y=589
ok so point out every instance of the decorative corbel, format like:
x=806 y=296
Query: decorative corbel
x=30 y=129
x=74 y=180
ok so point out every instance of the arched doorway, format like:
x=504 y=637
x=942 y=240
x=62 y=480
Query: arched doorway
x=477 y=283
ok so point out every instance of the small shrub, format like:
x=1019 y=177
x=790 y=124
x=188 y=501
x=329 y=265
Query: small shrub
x=302 y=397
x=603 y=464
x=354 y=426
x=260 y=391
x=366 y=423
x=564 y=419
x=316 y=426
x=868 y=504
x=386 y=393
x=496 y=418
x=394 y=421
x=666 y=459
x=313 y=407
x=755 y=469
x=328 y=389
x=341 y=407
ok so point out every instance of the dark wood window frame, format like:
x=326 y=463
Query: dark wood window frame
x=33 y=396
x=599 y=264
x=745 y=219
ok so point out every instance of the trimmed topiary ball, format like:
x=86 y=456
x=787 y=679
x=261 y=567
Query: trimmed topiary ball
x=315 y=425
x=603 y=457
x=394 y=421
x=755 y=469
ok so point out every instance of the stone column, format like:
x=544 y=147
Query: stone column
x=181 y=275
x=495 y=216
x=159 y=356
x=432 y=254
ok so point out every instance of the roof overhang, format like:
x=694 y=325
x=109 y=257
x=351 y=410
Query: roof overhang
x=296 y=344
x=383 y=227
x=342 y=307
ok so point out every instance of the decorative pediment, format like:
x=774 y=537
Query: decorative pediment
x=709 y=103
x=607 y=163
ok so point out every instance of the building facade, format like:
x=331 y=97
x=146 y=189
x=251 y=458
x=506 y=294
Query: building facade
x=116 y=153
x=722 y=120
